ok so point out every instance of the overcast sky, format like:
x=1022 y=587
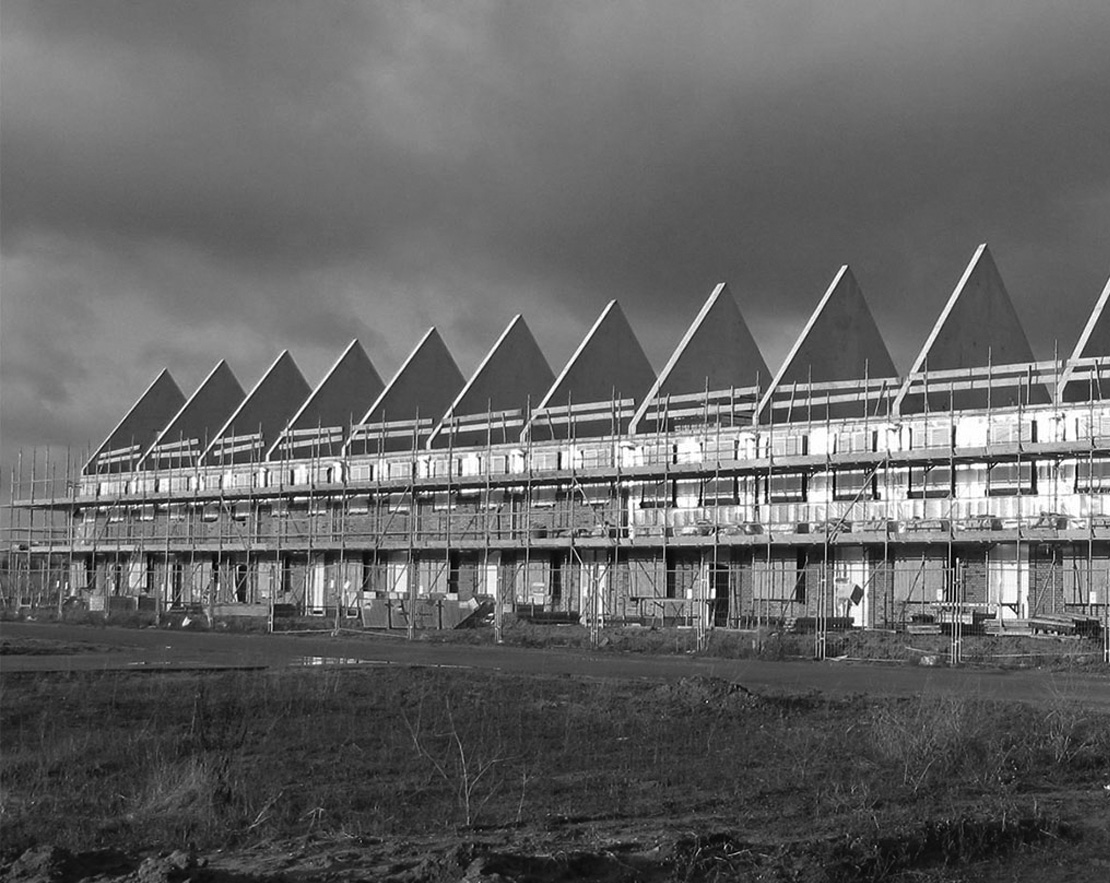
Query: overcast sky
x=189 y=181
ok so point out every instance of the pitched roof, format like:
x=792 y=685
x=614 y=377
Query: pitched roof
x=422 y=389
x=138 y=429
x=717 y=352
x=1093 y=343
x=608 y=364
x=977 y=327
x=186 y=436
x=321 y=425
x=839 y=342
x=261 y=416
x=513 y=373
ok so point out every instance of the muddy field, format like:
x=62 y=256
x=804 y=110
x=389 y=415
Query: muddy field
x=411 y=773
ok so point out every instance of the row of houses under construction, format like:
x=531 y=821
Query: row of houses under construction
x=717 y=493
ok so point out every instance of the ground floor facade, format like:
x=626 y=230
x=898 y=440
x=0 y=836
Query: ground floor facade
x=689 y=582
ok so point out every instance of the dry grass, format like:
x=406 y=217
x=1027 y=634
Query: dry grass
x=158 y=760
x=1063 y=653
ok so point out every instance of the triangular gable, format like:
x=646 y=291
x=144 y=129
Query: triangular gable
x=1093 y=343
x=182 y=442
x=977 y=327
x=321 y=426
x=839 y=342
x=125 y=445
x=421 y=390
x=513 y=373
x=717 y=352
x=609 y=365
x=261 y=416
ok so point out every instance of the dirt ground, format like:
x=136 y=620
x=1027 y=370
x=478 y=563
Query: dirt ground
x=532 y=764
x=561 y=652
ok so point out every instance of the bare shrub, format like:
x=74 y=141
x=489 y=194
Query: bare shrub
x=933 y=739
x=952 y=741
x=466 y=761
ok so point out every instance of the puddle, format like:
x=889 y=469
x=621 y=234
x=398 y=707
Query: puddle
x=317 y=661
x=310 y=661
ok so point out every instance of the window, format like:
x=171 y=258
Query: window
x=397 y=470
x=789 y=445
x=359 y=504
x=656 y=494
x=295 y=507
x=1010 y=432
x=545 y=496
x=1009 y=479
x=470 y=464
x=780 y=577
x=400 y=502
x=241 y=510
x=932 y=435
x=719 y=492
x=595 y=458
x=242 y=583
x=687 y=493
x=496 y=498
x=686 y=452
x=238 y=479
x=173 y=483
x=558 y=567
x=787 y=487
x=683 y=571
x=453 y=561
x=545 y=461
x=930 y=482
x=800 y=573
x=595 y=494
x=1093 y=475
x=1092 y=427
x=851 y=484
x=855 y=441
x=362 y=472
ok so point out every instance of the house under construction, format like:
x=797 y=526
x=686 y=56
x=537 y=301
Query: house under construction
x=972 y=492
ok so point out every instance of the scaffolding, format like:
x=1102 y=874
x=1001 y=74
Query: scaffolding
x=955 y=500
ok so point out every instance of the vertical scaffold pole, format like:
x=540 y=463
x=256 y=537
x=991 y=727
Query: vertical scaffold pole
x=341 y=577
x=528 y=491
x=9 y=551
x=498 y=622
x=71 y=522
x=31 y=523
x=410 y=565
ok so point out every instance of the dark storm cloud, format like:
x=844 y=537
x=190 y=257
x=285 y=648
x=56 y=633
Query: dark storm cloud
x=198 y=180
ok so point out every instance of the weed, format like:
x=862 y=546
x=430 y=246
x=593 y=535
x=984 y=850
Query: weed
x=466 y=765
x=153 y=760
